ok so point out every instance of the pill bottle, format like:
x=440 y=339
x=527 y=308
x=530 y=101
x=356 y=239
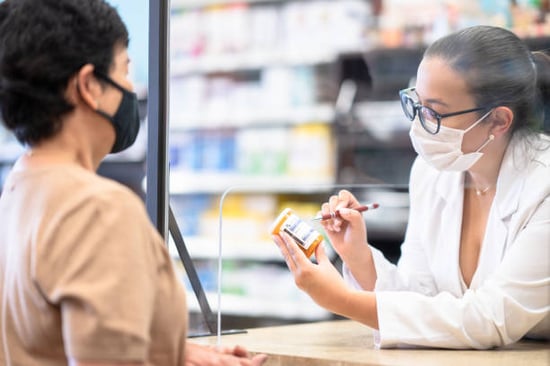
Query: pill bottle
x=305 y=236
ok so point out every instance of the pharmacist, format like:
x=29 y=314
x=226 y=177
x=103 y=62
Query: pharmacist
x=475 y=265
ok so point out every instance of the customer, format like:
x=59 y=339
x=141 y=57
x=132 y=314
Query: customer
x=475 y=265
x=84 y=277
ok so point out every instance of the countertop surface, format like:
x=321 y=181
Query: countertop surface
x=348 y=343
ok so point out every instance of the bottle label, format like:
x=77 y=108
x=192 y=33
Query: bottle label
x=300 y=231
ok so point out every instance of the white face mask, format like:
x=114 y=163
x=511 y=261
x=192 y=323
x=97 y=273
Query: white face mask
x=443 y=150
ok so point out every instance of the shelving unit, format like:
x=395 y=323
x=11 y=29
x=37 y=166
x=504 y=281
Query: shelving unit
x=252 y=92
x=270 y=108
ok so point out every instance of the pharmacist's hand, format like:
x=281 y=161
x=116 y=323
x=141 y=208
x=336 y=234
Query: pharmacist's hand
x=347 y=232
x=201 y=355
x=321 y=281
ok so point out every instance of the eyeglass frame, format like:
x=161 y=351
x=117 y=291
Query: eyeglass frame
x=417 y=106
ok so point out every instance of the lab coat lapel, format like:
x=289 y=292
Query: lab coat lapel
x=510 y=183
x=509 y=187
x=450 y=192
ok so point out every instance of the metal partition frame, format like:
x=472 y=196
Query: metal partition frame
x=157 y=192
x=157 y=115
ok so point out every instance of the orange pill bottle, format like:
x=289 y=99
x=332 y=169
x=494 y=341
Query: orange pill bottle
x=303 y=234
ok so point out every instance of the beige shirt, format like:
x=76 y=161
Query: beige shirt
x=84 y=274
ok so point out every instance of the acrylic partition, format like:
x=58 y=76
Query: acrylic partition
x=263 y=105
x=242 y=273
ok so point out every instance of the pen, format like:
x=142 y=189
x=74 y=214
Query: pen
x=332 y=215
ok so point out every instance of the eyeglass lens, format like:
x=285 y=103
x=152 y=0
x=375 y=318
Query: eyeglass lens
x=407 y=103
x=429 y=119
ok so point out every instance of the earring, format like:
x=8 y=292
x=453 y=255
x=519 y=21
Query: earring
x=489 y=139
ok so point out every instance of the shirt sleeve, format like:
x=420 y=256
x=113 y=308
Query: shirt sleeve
x=509 y=303
x=387 y=276
x=96 y=262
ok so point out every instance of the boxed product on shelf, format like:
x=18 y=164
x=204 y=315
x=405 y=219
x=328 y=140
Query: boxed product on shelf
x=218 y=150
x=186 y=41
x=311 y=151
x=188 y=210
x=245 y=219
x=315 y=26
x=303 y=151
x=281 y=97
x=273 y=94
x=261 y=30
x=187 y=96
x=186 y=151
x=264 y=28
x=262 y=151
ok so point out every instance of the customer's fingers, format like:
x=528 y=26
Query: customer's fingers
x=259 y=360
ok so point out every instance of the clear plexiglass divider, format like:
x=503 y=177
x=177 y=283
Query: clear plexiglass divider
x=239 y=268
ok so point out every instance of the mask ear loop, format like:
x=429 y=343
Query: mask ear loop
x=479 y=121
x=489 y=139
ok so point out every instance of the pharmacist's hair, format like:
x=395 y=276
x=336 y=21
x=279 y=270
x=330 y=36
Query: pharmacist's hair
x=43 y=43
x=500 y=70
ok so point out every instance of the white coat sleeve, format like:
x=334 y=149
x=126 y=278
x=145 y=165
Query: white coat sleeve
x=413 y=272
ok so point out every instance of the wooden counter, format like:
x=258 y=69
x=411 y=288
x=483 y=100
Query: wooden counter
x=347 y=343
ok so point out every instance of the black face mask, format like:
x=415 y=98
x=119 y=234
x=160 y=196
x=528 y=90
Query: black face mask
x=126 y=119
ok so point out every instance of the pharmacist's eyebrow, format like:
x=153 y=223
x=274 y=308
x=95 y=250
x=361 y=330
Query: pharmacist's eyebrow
x=432 y=101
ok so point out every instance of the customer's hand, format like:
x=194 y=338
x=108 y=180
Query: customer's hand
x=201 y=355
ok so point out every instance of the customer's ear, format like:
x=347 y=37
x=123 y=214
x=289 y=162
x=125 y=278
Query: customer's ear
x=502 y=118
x=87 y=87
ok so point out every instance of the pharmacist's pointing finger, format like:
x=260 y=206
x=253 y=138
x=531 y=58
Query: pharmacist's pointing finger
x=348 y=198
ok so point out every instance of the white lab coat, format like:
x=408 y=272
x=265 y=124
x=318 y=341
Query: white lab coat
x=423 y=300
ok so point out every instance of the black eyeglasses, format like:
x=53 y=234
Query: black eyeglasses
x=429 y=119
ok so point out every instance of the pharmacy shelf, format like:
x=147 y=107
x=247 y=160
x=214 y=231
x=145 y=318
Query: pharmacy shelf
x=201 y=3
x=208 y=248
x=254 y=121
x=323 y=113
x=301 y=308
x=217 y=183
x=255 y=60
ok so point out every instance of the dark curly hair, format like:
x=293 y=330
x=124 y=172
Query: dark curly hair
x=43 y=43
